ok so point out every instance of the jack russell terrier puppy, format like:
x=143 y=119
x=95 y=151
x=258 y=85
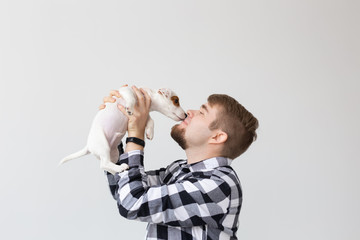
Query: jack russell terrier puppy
x=110 y=125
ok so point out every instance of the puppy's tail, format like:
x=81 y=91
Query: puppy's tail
x=80 y=153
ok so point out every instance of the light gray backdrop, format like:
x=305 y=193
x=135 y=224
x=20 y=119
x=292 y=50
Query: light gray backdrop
x=293 y=64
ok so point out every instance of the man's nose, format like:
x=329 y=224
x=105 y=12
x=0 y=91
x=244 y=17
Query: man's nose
x=190 y=113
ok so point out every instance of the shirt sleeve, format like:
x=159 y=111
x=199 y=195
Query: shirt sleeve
x=200 y=199
x=154 y=177
x=113 y=179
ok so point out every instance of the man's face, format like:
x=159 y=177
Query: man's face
x=194 y=130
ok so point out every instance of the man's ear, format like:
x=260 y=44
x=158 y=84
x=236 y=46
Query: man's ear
x=219 y=137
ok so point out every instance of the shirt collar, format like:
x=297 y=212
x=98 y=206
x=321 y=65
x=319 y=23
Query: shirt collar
x=210 y=163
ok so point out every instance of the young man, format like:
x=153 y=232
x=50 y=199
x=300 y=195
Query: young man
x=197 y=198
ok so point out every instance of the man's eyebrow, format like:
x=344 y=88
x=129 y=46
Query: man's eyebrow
x=204 y=107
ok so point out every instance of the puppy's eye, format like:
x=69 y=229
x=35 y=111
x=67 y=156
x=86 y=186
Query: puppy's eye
x=175 y=100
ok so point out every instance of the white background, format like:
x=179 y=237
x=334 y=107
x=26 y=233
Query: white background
x=294 y=64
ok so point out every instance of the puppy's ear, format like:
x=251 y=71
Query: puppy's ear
x=165 y=92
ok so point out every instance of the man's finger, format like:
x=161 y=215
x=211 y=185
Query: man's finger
x=122 y=109
x=115 y=93
x=147 y=97
x=139 y=95
x=109 y=99
x=102 y=106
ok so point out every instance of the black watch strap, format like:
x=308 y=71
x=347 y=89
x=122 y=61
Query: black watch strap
x=136 y=140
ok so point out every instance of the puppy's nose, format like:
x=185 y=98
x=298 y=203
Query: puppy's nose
x=186 y=115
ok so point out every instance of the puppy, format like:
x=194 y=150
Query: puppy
x=110 y=125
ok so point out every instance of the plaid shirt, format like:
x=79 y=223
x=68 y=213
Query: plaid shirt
x=183 y=201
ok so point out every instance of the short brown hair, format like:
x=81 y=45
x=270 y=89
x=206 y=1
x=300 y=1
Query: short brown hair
x=237 y=122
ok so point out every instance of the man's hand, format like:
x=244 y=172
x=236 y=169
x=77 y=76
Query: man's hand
x=137 y=121
x=110 y=98
x=138 y=118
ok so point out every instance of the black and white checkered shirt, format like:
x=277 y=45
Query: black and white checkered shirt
x=183 y=201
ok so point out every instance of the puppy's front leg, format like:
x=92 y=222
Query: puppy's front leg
x=130 y=99
x=149 y=128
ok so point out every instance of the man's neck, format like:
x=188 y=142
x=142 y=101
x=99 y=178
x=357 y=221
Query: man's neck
x=195 y=155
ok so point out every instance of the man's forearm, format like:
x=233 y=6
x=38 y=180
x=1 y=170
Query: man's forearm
x=130 y=146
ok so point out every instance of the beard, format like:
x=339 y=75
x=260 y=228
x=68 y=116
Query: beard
x=178 y=134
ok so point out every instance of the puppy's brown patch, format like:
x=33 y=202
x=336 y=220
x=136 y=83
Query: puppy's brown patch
x=175 y=100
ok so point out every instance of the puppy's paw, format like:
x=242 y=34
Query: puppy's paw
x=129 y=111
x=149 y=133
x=123 y=167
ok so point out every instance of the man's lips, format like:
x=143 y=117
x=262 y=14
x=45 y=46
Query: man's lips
x=186 y=121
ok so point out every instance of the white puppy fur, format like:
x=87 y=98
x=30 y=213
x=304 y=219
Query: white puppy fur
x=110 y=125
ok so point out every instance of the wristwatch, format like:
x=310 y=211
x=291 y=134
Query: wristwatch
x=136 y=140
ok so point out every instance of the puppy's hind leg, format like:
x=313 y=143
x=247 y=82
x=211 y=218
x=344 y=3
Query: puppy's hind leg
x=107 y=165
x=99 y=146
